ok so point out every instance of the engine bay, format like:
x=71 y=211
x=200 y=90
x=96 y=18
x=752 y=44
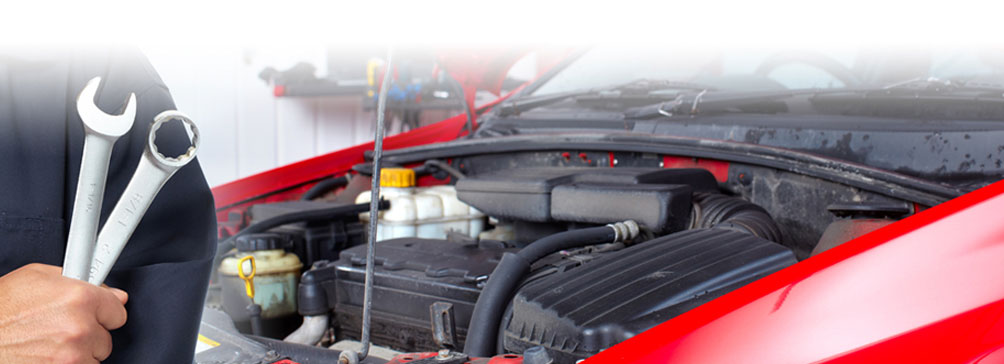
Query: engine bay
x=533 y=253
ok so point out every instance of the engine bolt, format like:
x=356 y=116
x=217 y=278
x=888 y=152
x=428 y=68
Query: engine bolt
x=444 y=354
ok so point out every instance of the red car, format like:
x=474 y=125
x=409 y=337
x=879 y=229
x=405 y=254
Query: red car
x=650 y=205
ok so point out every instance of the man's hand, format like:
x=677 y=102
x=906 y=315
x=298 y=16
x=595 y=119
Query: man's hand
x=48 y=318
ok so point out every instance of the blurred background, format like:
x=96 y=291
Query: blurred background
x=263 y=107
x=277 y=82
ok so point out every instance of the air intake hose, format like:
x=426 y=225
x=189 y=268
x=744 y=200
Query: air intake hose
x=501 y=285
x=721 y=211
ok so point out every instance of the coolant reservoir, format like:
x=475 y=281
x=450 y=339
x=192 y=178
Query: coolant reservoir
x=422 y=212
x=276 y=276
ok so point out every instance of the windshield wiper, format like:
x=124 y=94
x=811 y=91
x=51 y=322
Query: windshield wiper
x=640 y=88
x=708 y=101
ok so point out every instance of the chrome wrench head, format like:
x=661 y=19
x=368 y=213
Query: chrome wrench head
x=152 y=172
x=151 y=145
x=99 y=122
x=101 y=130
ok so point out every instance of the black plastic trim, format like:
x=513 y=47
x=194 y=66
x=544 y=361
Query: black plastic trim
x=856 y=175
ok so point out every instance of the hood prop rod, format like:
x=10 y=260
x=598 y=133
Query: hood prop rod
x=349 y=356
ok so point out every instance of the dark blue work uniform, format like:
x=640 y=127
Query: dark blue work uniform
x=165 y=267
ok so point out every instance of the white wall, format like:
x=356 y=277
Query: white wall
x=244 y=129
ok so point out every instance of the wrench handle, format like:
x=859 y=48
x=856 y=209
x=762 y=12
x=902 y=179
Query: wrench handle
x=87 y=205
x=125 y=217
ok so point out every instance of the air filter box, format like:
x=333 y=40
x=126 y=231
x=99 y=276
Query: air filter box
x=576 y=313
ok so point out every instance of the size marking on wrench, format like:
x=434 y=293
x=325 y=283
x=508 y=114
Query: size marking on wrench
x=101 y=130
x=151 y=174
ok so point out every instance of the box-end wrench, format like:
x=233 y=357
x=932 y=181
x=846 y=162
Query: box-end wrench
x=101 y=130
x=153 y=171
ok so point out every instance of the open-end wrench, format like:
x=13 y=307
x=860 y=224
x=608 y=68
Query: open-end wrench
x=101 y=130
x=153 y=171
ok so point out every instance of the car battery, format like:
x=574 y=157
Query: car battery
x=411 y=275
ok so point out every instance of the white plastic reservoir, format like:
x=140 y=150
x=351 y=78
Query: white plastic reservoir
x=421 y=212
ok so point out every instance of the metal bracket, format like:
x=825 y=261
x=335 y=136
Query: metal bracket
x=444 y=326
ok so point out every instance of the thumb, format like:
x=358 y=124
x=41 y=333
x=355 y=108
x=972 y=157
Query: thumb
x=120 y=294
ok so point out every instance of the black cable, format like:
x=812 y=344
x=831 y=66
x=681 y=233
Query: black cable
x=445 y=167
x=468 y=109
x=267 y=194
x=324 y=186
x=308 y=215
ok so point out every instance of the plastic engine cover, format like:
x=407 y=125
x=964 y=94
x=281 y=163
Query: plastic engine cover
x=576 y=313
x=657 y=198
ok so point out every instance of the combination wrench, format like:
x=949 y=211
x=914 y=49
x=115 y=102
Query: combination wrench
x=151 y=174
x=101 y=130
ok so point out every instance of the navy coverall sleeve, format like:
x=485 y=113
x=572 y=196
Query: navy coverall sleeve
x=165 y=267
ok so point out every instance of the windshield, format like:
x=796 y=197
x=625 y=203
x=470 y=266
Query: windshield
x=764 y=70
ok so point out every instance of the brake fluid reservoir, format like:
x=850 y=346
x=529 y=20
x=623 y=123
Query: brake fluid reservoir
x=422 y=212
x=275 y=280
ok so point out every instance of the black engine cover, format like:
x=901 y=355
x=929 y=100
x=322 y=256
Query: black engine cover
x=576 y=313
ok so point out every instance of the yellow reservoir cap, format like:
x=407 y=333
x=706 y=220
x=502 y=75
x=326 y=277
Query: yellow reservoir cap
x=397 y=177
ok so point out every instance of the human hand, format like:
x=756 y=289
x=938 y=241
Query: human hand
x=48 y=318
